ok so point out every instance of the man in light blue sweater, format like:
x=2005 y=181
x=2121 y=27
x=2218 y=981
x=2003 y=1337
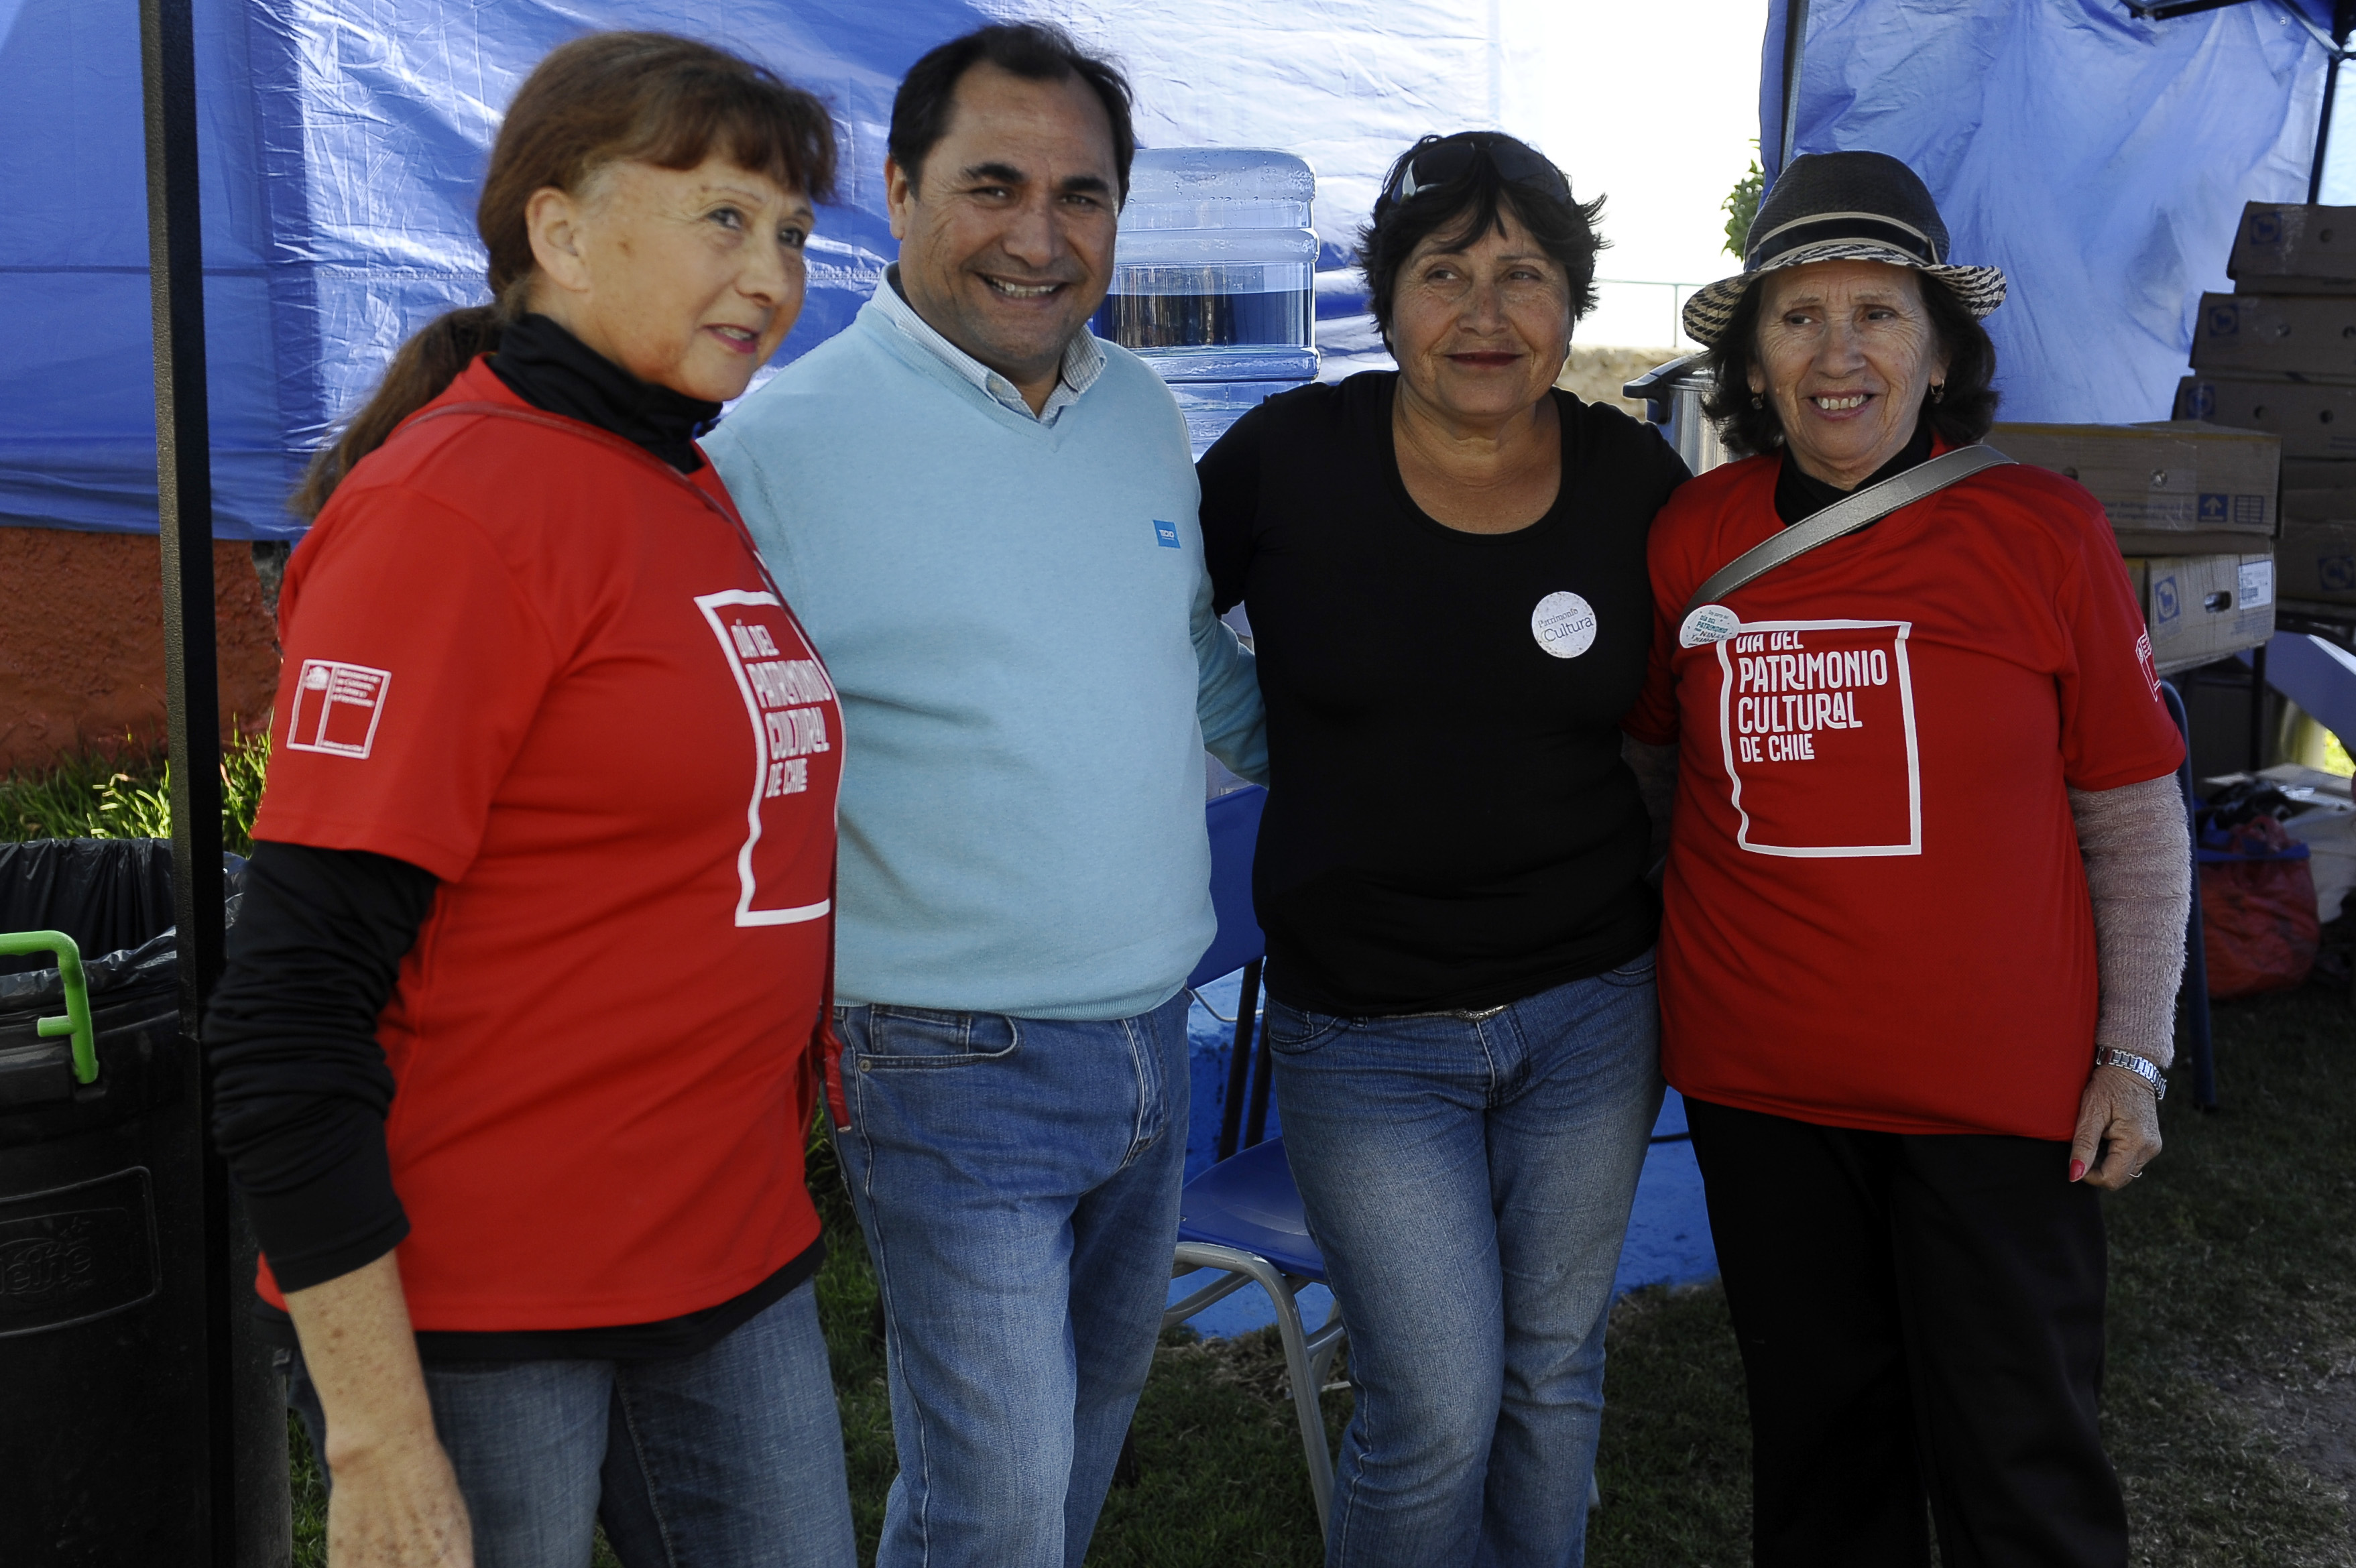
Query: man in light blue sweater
x=986 y=520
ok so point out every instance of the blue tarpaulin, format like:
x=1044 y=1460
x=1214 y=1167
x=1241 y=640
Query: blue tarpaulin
x=341 y=147
x=342 y=143
x=2101 y=160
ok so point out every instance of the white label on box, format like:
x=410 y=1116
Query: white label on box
x=2257 y=585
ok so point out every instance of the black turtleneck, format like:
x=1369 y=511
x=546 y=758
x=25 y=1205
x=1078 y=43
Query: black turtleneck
x=1799 y=498
x=550 y=369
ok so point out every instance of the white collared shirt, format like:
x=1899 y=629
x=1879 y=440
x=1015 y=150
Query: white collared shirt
x=1084 y=358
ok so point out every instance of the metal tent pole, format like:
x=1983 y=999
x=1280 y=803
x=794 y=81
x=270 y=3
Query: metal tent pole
x=1795 y=34
x=191 y=675
x=2323 y=132
x=2343 y=21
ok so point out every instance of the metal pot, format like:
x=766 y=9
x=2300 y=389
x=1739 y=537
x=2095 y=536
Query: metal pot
x=1672 y=394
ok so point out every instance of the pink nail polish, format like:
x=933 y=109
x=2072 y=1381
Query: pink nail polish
x=2077 y=1168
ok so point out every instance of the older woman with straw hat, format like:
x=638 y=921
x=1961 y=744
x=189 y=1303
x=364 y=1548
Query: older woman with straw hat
x=1925 y=897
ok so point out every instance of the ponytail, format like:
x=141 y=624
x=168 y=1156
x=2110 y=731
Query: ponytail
x=419 y=373
x=666 y=101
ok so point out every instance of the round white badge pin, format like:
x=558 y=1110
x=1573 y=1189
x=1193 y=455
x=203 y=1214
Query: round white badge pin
x=1707 y=624
x=1564 y=625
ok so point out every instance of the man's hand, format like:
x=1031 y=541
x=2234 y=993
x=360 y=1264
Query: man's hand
x=2119 y=1112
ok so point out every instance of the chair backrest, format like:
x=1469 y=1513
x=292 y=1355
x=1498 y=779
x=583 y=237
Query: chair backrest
x=1234 y=822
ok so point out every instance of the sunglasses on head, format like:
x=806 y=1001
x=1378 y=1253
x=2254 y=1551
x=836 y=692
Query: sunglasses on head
x=1450 y=158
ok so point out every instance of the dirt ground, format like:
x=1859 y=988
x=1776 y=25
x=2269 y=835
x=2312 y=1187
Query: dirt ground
x=1596 y=375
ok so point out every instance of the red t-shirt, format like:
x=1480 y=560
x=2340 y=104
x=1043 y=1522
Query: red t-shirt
x=1876 y=914
x=546 y=668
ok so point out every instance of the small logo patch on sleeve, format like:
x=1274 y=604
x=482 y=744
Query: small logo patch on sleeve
x=2145 y=661
x=336 y=707
x=1165 y=534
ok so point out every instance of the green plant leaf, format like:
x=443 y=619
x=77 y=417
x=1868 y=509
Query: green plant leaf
x=1741 y=204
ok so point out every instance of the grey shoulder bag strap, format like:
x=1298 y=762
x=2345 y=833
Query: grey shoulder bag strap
x=1846 y=516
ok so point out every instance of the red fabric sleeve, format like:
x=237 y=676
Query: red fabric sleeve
x=413 y=669
x=1653 y=718
x=2116 y=729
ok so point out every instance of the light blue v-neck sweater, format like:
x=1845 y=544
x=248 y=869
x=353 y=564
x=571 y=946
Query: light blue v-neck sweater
x=1017 y=621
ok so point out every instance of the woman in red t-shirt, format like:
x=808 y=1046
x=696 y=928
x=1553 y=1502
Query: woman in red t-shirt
x=1925 y=907
x=515 y=1047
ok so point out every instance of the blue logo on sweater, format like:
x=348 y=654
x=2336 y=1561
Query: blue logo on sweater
x=1165 y=534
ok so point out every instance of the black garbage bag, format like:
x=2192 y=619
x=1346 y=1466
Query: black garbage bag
x=113 y=898
x=108 y=894
x=2236 y=803
x=104 y=1292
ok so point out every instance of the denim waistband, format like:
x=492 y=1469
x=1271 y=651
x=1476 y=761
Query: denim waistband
x=1462 y=1015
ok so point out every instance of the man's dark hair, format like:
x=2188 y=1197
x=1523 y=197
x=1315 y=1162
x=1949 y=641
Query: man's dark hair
x=1960 y=416
x=1036 y=51
x=1472 y=203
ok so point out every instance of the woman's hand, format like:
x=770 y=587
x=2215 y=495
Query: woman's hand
x=2119 y=1111
x=397 y=1505
x=396 y=1502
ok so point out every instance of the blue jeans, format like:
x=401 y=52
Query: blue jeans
x=1468 y=1178
x=728 y=1458
x=1017 y=1180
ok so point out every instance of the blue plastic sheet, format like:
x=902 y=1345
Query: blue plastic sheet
x=342 y=143
x=77 y=377
x=341 y=147
x=2100 y=160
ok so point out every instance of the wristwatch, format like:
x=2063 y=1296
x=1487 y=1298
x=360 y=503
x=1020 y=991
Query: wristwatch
x=2142 y=1067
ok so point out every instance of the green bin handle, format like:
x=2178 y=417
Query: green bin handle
x=77 y=1019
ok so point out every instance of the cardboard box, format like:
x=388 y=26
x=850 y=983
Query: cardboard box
x=2318 y=474
x=2170 y=488
x=2298 y=334
x=2317 y=562
x=2287 y=249
x=2202 y=608
x=2313 y=420
x=2318 y=506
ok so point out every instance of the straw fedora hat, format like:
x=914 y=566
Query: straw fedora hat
x=1832 y=207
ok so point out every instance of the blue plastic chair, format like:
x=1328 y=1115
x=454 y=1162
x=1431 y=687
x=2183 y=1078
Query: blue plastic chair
x=1242 y=1217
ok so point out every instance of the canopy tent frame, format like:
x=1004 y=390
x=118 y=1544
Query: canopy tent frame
x=184 y=474
x=2343 y=23
x=191 y=671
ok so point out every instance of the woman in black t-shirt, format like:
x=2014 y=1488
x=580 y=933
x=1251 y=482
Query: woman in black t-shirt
x=1445 y=571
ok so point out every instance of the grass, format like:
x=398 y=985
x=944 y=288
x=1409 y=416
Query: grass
x=2231 y=1405
x=127 y=793
x=2230 y=1408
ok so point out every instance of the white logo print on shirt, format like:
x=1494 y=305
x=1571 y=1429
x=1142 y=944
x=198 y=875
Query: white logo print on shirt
x=1816 y=723
x=781 y=697
x=336 y=707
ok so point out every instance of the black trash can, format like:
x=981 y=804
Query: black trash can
x=102 y=1307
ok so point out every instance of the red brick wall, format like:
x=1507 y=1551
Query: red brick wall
x=81 y=642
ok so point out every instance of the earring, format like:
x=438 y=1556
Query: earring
x=1757 y=402
x=1938 y=390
